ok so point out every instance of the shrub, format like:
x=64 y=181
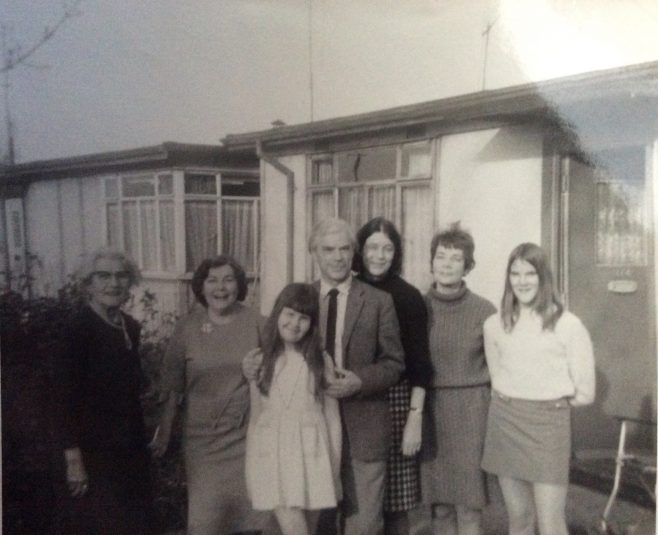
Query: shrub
x=31 y=332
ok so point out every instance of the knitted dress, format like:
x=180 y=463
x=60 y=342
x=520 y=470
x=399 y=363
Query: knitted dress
x=458 y=401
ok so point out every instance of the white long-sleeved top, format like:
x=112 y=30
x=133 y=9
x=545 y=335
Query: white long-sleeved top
x=537 y=364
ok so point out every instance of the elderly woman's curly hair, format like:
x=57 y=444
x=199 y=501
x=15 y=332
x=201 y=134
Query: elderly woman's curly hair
x=88 y=265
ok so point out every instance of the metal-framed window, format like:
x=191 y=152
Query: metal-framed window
x=393 y=181
x=146 y=212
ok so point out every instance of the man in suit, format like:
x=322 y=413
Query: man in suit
x=361 y=332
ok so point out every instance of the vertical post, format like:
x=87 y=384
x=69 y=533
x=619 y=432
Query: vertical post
x=565 y=169
x=11 y=154
x=310 y=55
x=485 y=34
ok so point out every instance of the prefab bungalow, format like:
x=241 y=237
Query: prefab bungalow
x=569 y=163
x=169 y=206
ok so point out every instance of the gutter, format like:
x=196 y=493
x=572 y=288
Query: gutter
x=290 y=187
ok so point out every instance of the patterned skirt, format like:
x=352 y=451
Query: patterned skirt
x=402 y=481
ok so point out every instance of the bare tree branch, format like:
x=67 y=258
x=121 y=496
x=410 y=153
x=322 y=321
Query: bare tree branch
x=13 y=57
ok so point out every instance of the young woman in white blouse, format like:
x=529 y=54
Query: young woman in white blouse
x=541 y=364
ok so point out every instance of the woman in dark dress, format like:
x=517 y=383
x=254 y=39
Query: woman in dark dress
x=102 y=429
x=379 y=262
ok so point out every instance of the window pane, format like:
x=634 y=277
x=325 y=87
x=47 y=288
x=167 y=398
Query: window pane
x=149 y=242
x=165 y=184
x=416 y=160
x=138 y=186
x=240 y=187
x=322 y=172
x=130 y=230
x=113 y=235
x=351 y=204
x=372 y=164
x=111 y=188
x=167 y=236
x=416 y=230
x=200 y=184
x=381 y=202
x=200 y=232
x=620 y=225
x=239 y=232
x=322 y=206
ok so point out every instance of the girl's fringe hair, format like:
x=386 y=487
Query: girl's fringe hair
x=302 y=298
x=547 y=302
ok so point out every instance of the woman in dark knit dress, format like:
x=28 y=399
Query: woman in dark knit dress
x=102 y=431
x=458 y=400
x=378 y=262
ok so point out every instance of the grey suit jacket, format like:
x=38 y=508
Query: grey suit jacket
x=372 y=350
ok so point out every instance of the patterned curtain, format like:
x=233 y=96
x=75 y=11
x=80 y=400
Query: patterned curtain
x=381 y=202
x=149 y=241
x=130 y=230
x=239 y=232
x=416 y=229
x=620 y=232
x=200 y=232
x=167 y=236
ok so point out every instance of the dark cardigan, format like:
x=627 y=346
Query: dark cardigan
x=412 y=317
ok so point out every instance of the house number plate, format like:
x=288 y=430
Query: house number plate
x=622 y=286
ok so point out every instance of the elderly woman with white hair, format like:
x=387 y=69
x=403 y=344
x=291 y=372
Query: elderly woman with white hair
x=102 y=429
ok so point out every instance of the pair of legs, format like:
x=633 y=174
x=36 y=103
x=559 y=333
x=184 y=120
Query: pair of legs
x=396 y=523
x=525 y=500
x=361 y=511
x=296 y=521
x=448 y=519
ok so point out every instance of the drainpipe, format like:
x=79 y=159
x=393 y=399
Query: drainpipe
x=290 y=184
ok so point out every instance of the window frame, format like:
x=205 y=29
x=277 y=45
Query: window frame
x=399 y=182
x=179 y=198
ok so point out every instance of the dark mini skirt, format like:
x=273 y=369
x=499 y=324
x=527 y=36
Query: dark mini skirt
x=528 y=440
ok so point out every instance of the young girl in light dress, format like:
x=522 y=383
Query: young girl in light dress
x=293 y=442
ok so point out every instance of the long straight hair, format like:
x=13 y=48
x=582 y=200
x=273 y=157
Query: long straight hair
x=378 y=224
x=302 y=298
x=546 y=303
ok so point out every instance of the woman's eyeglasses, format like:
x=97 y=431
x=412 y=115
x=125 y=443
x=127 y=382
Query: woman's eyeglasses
x=105 y=276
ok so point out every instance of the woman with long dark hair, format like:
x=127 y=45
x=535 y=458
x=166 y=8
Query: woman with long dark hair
x=541 y=363
x=378 y=262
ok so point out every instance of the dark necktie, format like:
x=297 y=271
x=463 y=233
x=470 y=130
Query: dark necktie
x=330 y=333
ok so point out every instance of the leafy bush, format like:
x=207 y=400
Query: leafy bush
x=31 y=333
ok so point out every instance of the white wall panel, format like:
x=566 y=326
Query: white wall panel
x=72 y=222
x=491 y=181
x=43 y=236
x=93 y=212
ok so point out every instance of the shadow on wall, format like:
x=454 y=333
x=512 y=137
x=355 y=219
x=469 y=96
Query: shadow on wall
x=512 y=143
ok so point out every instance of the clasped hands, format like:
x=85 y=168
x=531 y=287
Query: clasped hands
x=341 y=383
x=76 y=475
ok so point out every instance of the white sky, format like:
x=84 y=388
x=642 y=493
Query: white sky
x=131 y=73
